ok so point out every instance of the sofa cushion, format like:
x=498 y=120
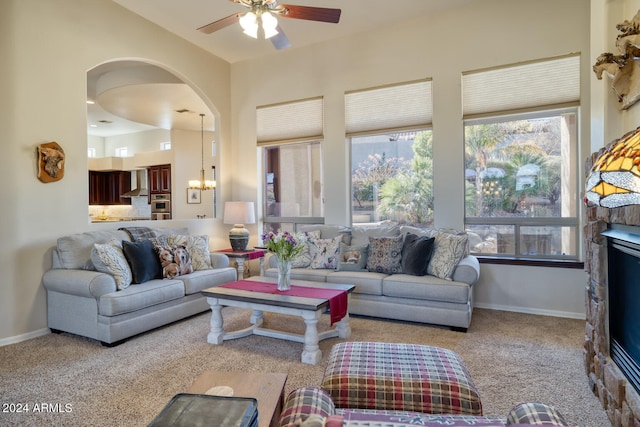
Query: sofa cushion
x=197 y=246
x=74 y=250
x=385 y=254
x=324 y=252
x=143 y=260
x=425 y=288
x=352 y=258
x=109 y=258
x=365 y=282
x=448 y=250
x=416 y=254
x=140 y=296
x=203 y=279
x=314 y=275
x=360 y=234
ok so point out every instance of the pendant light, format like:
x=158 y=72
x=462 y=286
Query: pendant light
x=202 y=183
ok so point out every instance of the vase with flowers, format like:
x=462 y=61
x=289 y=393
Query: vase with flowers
x=285 y=247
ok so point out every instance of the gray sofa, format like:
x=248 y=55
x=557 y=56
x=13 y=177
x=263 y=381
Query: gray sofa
x=86 y=302
x=416 y=298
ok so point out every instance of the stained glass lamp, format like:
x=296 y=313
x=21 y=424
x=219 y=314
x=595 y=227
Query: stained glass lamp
x=614 y=180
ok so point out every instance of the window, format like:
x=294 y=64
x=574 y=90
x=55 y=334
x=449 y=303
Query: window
x=290 y=135
x=165 y=145
x=122 y=151
x=91 y=152
x=391 y=155
x=521 y=160
x=391 y=178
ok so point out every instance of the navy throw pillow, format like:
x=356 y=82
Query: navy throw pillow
x=416 y=254
x=143 y=260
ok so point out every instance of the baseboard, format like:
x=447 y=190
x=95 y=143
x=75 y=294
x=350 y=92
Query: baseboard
x=24 y=337
x=528 y=310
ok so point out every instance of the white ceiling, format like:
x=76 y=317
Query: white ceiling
x=183 y=17
x=133 y=108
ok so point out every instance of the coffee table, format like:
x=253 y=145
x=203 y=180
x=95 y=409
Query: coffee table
x=309 y=309
x=266 y=387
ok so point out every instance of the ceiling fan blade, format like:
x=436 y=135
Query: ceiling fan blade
x=221 y=23
x=322 y=14
x=280 y=41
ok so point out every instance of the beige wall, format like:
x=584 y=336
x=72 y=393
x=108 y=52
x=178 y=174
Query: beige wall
x=47 y=47
x=49 y=44
x=484 y=34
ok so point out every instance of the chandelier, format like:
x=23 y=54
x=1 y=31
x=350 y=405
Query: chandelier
x=202 y=183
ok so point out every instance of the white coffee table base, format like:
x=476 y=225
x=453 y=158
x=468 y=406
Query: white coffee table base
x=311 y=353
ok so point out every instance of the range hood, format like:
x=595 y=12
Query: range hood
x=140 y=189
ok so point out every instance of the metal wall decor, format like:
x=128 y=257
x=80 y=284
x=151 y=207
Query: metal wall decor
x=623 y=68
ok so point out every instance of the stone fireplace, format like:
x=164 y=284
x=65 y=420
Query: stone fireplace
x=618 y=397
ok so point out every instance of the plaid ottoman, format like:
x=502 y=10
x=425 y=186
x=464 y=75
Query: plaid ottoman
x=406 y=377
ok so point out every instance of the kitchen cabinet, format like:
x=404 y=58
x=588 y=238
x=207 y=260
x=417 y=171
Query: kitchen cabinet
x=160 y=179
x=105 y=188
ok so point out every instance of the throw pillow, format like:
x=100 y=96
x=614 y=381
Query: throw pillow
x=324 y=253
x=303 y=260
x=175 y=261
x=197 y=246
x=416 y=253
x=448 y=250
x=109 y=258
x=352 y=258
x=385 y=255
x=143 y=260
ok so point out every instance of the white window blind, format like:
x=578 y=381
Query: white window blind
x=290 y=122
x=394 y=107
x=523 y=86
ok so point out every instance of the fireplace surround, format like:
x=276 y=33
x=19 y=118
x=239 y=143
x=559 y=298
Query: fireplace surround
x=608 y=382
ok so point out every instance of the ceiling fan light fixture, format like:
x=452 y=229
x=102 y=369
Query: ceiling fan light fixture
x=249 y=23
x=269 y=25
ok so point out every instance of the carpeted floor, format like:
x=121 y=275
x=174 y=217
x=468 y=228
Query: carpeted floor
x=512 y=358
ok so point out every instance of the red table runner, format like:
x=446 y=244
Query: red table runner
x=337 y=298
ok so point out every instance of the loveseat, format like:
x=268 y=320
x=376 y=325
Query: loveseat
x=112 y=285
x=400 y=272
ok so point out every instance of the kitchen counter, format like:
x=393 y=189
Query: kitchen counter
x=116 y=219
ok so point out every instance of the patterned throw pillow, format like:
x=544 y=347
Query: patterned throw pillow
x=109 y=258
x=304 y=259
x=353 y=258
x=324 y=253
x=197 y=246
x=448 y=250
x=385 y=255
x=175 y=261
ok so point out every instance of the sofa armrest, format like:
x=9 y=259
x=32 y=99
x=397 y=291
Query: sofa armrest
x=535 y=414
x=467 y=271
x=304 y=401
x=219 y=260
x=84 y=283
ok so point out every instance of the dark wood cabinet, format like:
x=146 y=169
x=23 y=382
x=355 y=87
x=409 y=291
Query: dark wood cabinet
x=160 y=179
x=105 y=188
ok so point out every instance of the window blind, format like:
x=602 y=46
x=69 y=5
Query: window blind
x=394 y=107
x=524 y=86
x=290 y=122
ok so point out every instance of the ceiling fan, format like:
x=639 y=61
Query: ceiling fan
x=261 y=17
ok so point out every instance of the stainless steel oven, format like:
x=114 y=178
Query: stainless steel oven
x=161 y=206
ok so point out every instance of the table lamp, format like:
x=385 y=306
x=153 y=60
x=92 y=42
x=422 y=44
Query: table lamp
x=239 y=214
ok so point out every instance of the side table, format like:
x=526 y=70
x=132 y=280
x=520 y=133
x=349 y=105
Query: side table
x=240 y=256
